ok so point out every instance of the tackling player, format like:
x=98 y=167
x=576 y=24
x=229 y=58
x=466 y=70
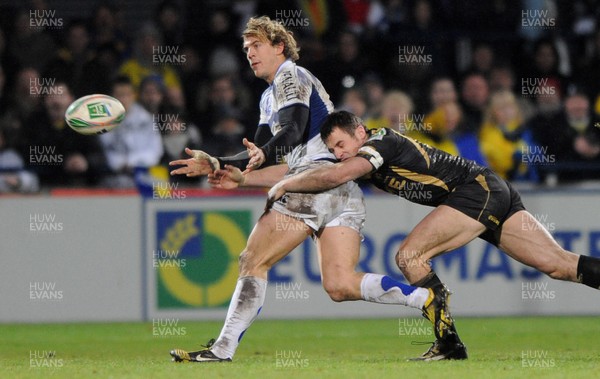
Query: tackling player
x=292 y=109
x=470 y=201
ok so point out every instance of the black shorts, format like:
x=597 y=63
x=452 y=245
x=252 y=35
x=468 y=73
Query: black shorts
x=488 y=199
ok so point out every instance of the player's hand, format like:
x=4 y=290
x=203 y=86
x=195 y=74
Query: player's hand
x=229 y=178
x=275 y=193
x=201 y=163
x=257 y=156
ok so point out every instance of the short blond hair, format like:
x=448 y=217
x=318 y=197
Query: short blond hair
x=499 y=99
x=273 y=32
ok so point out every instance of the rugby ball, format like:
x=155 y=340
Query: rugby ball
x=94 y=114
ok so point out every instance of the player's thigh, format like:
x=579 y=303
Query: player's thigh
x=273 y=237
x=339 y=251
x=444 y=229
x=525 y=239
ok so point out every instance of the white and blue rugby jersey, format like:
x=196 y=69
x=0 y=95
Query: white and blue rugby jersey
x=294 y=85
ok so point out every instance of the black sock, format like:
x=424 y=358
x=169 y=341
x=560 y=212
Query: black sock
x=428 y=281
x=431 y=280
x=588 y=271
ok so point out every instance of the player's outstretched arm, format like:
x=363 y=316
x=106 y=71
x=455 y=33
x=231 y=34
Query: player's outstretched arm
x=267 y=149
x=323 y=178
x=256 y=154
x=293 y=120
x=232 y=177
x=200 y=163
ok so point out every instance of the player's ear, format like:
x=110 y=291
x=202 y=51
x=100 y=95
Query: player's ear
x=280 y=47
x=361 y=132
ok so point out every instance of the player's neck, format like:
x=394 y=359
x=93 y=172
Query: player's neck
x=271 y=78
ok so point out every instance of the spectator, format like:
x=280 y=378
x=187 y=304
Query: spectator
x=151 y=58
x=589 y=72
x=396 y=112
x=30 y=46
x=395 y=18
x=345 y=67
x=324 y=19
x=222 y=55
x=375 y=92
x=226 y=136
x=438 y=126
x=545 y=66
x=13 y=175
x=7 y=64
x=107 y=61
x=413 y=78
x=177 y=134
x=570 y=136
x=482 y=60
x=548 y=100
x=136 y=143
x=354 y=101
x=107 y=30
x=170 y=22
x=506 y=142
x=358 y=13
x=224 y=96
x=3 y=97
x=474 y=98
x=191 y=74
x=152 y=94
x=442 y=91
x=76 y=64
x=23 y=100
x=424 y=31
x=502 y=78
x=59 y=155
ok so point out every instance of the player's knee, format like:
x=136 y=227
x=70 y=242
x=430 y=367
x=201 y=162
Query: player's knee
x=337 y=291
x=407 y=259
x=558 y=267
x=244 y=262
x=557 y=272
x=401 y=259
x=248 y=263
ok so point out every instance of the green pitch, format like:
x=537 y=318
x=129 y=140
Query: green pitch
x=540 y=347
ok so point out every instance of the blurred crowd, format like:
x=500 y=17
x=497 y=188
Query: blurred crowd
x=516 y=88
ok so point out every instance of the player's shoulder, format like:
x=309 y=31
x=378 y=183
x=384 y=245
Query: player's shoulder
x=287 y=73
x=385 y=141
x=377 y=134
x=384 y=135
x=291 y=74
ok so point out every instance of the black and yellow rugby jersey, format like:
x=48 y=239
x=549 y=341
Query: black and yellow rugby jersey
x=413 y=170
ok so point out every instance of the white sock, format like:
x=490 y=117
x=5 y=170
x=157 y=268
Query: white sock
x=246 y=302
x=383 y=289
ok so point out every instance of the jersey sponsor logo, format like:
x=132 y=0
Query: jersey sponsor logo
x=197 y=264
x=378 y=135
x=289 y=86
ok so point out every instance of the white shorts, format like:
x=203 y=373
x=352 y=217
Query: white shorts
x=340 y=206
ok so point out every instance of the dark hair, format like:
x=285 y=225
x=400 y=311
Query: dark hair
x=153 y=79
x=122 y=80
x=78 y=23
x=346 y=121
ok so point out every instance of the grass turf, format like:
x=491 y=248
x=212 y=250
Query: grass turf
x=528 y=347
